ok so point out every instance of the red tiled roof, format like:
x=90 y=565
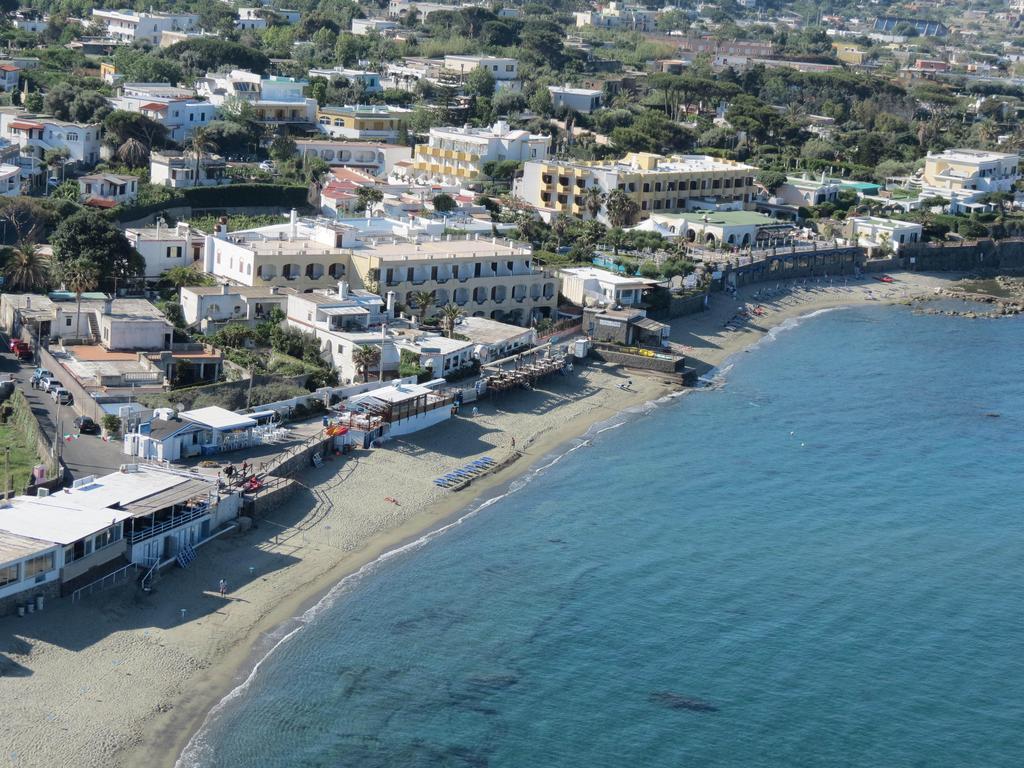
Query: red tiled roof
x=9 y=68
x=154 y=107
x=24 y=125
x=100 y=202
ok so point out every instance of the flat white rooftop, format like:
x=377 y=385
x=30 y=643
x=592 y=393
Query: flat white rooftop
x=972 y=155
x=60 y=518
x=216 y=417
x=604 y=276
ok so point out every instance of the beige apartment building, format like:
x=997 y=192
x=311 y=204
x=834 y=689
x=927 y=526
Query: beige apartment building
x=486 y=277
x=655 y=182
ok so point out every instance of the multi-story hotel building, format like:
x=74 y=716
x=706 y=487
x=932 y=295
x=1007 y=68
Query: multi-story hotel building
x=486 y=277
x=964 y=175
x=456 y=155
x=655 y=182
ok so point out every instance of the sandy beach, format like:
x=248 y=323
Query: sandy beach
x=123 y=679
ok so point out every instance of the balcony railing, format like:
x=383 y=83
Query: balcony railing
x=175 y=521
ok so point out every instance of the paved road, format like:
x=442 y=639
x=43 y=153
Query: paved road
x=90 y=454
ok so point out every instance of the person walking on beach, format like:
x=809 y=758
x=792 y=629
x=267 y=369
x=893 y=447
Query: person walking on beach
x=513 y=443
x=223 y=588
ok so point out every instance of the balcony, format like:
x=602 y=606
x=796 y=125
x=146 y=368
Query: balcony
x=185 y=516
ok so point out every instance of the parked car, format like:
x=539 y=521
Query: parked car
x=39 y=374
x=87 y=426
x=49 y=384
x=61 y=395
x=267 y=166
x=14 y=342
x=23 y=352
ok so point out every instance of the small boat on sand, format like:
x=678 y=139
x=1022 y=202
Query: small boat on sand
x=884 y=278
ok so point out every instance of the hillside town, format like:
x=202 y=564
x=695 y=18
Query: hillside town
x=219 y=222
x=239 y=242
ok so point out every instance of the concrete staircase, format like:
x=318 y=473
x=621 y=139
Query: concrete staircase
x=94 y=328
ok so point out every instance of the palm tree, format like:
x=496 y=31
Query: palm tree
x=28 y=268
x=450 y=314
x=365 y=357
x=201 y=143
x=133 y=153
x=593 y=201
x=621 y=208
x=616 y=238
x=423 y=301
x=79 y=275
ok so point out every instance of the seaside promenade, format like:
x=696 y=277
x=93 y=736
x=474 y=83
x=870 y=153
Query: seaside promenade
x=125 y=680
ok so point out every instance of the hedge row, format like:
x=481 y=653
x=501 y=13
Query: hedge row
x=230 y=196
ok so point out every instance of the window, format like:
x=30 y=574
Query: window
x=8 y=575
x=192 y=118
x=510 y=67
x=67 y=322
x=107 y=537
x=72 y=137
x=38 y=566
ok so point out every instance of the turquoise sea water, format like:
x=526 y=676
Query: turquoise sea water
x=817 y=565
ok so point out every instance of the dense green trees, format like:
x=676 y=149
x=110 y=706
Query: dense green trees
x=88 y=235
x=200 y=55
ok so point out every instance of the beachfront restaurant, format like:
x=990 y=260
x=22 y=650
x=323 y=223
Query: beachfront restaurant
x=400 y=409
x=82 y=539
x=200 y=432
x=28 y=568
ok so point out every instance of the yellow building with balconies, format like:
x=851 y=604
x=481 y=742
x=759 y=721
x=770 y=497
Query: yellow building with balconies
x=655 y=182
x=379 y=122
x=457 y=155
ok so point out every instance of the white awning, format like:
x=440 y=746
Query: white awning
x=216 y=417
x=335 y=311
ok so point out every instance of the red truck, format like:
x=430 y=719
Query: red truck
x=21 y=349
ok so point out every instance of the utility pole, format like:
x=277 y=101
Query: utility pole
x=7 y=472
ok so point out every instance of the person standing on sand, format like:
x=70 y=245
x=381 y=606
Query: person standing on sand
x=223 y=588
x=513 y=443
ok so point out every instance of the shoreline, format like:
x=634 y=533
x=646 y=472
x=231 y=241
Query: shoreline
x=423 y=528
x=192 y=666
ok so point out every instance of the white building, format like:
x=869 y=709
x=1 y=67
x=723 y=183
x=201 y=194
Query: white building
x=505 y=71
x=35 y=135
x=302 y=254
x=457 y=155
x=10 y=180
x=164 y=247
x=131 y=27
x=275 y=100
x=31 y=23
x=369 y=81
x=617 y=15
x=171 y=168
x=51 y=545
x=212 y=306
x=962 y=176
x=874 y=232
x=494 y=340
x=380 y=26
x=106 y=190
x=256 y=18
x=582 y=100
x=377 y=159
x=590 y=286
x=10 y=74
x=343 y=320
x=176 y=109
